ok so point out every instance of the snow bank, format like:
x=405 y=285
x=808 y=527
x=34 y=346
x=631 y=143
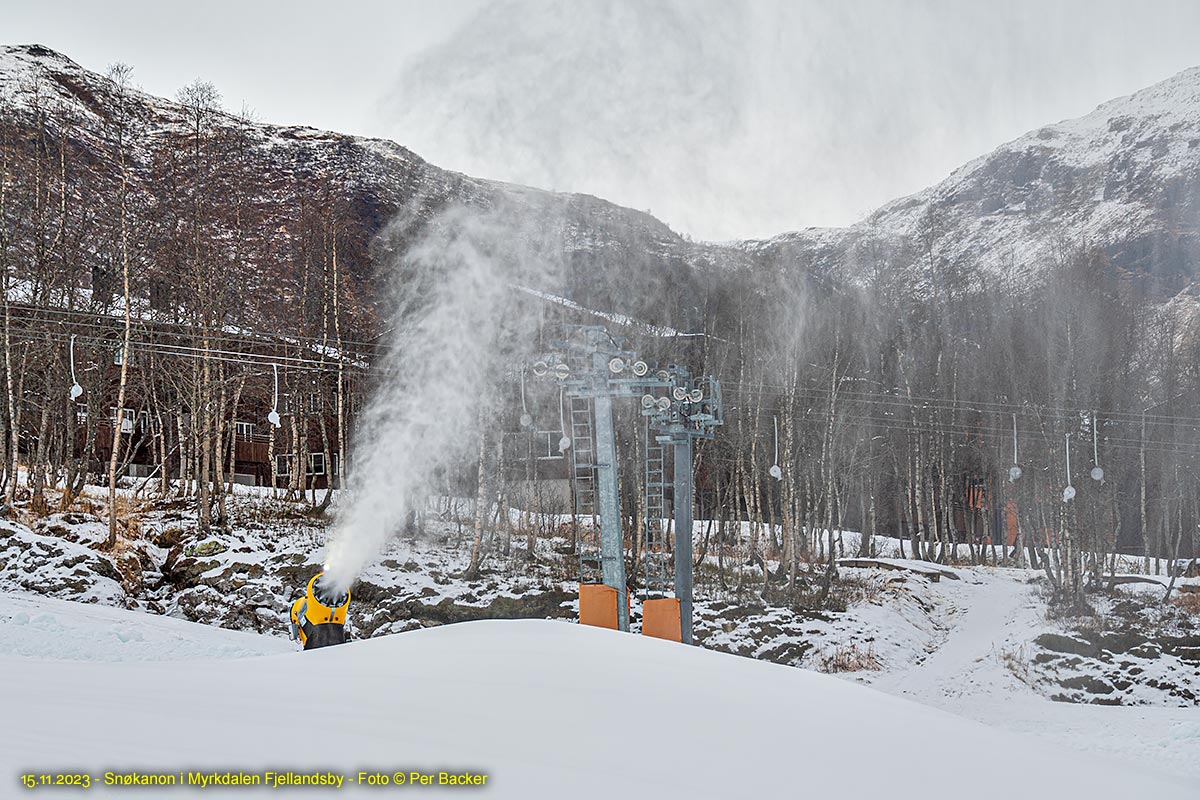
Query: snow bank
x=42 y=628
x=547 y=709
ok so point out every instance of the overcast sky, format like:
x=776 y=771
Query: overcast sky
x=326 y=64
x=724 y=118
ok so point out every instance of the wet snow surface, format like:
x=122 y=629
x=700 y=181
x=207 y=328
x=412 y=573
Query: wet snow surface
x=41 y=627
x=489 y=697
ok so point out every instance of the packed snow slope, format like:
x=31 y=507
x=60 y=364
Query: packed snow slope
x=40 y=627
x=546 y=709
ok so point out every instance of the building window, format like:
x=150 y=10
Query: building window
x=546 y=446
x=128 y=419
x=314 y=402
x=119 y=355
x=316 y=464
x=244 y=430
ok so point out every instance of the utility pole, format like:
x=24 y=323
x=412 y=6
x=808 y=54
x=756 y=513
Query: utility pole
x=593 y=369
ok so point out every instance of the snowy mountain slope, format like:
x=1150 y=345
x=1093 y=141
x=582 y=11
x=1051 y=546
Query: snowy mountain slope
x=641 y=717
x=1124 y=179
x=745 y=119
x=369 y=183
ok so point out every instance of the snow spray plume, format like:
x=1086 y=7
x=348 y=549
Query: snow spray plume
x=459 y=329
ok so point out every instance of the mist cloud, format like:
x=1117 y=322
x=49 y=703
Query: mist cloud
x=733 y=119
x=459 y=330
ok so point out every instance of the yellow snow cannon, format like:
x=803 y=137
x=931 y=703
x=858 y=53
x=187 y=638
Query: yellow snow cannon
x=319 y=617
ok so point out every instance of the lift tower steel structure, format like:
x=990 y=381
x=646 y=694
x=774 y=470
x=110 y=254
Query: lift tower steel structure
x=593 y=370
x=691 y=410
x=597 y=369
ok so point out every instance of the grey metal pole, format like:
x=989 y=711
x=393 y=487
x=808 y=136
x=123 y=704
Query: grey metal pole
x=683 y=534
x=612 y=554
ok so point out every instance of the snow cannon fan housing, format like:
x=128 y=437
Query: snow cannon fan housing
x=318 y=619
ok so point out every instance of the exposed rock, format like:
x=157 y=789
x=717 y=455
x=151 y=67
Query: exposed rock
x=1066 y=644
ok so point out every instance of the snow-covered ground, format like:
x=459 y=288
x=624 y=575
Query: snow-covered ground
x=42 y=627
x=545 y=709
x=975 y=672
x=974 y=642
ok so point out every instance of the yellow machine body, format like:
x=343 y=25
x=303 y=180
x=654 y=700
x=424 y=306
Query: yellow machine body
x=319 y=613
x=311 y=613
x=297 y=613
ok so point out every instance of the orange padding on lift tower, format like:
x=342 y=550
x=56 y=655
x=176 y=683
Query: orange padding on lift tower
x=660 y=619
x=598 y=605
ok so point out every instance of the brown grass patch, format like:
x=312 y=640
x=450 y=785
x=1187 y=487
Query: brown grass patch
x=848 y=658
x=1188 y=602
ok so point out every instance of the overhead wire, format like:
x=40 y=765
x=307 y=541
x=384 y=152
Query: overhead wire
x=1003 y=432
x=980 y=406
x=226 y=356
x=973 y=426
x=900 y=402
x=103 y=329
x=93 y=319
x=889 y=399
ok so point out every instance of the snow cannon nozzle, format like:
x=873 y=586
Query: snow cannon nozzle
x=326 y=594
x=318 y=618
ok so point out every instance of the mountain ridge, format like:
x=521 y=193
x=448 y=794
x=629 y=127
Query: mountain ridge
x=1124 y=179
x=376 y=178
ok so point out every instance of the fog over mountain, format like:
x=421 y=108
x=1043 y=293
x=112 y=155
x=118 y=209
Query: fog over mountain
x=733 y=119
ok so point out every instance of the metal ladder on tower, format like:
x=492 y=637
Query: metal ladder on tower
x=583 y=480
x=659 y=576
